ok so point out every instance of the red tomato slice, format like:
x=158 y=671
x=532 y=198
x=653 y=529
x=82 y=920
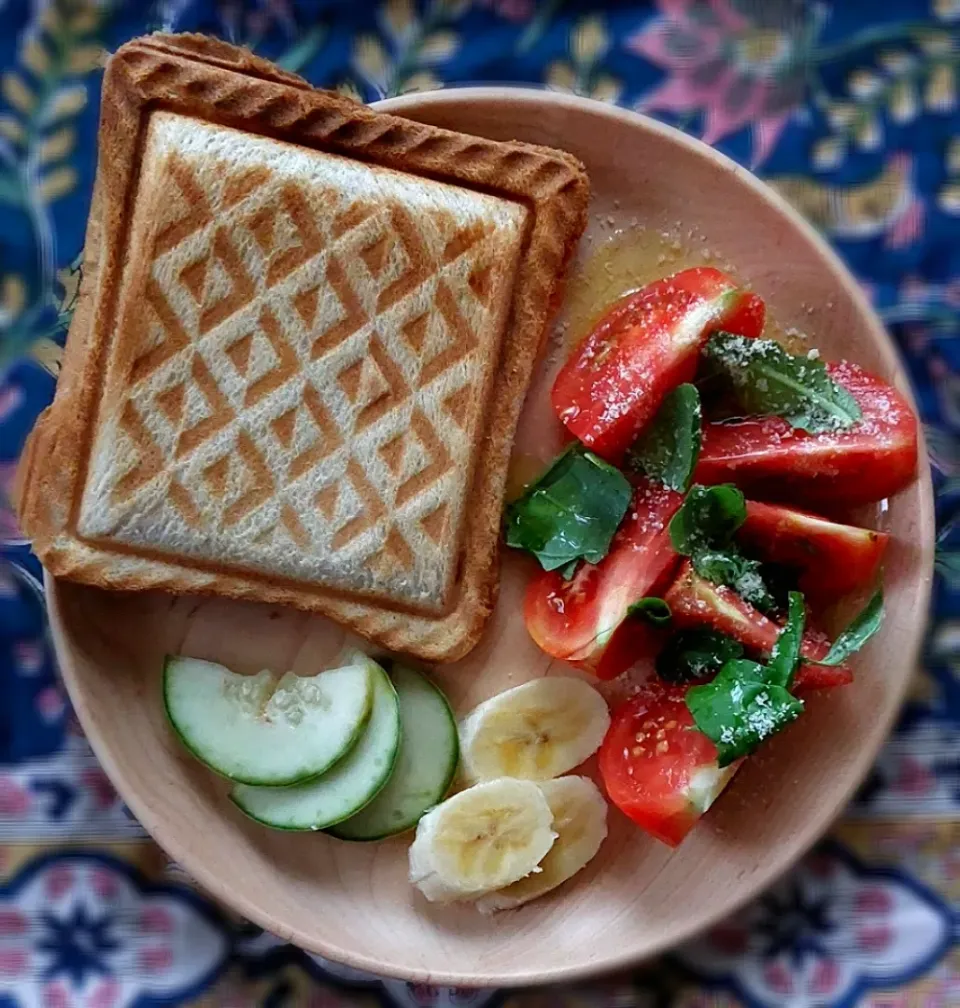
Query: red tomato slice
x=766 y=455
x=747 y=318
x=695 y=602
x=833 y=559
x=657 y=767
x=646 y=345
x=584 y=620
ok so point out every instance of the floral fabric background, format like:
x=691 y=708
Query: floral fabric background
x=850 y=109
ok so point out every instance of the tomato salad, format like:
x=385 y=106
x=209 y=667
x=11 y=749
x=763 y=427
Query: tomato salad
x=664 y=540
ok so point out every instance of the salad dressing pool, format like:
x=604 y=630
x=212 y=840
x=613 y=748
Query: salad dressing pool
x=627 y=259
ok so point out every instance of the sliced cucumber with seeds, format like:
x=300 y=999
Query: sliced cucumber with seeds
x=429 y=751
x=345 y=788
x=255 y=730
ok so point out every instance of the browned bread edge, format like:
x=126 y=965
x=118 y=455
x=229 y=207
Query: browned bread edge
x=217 y=82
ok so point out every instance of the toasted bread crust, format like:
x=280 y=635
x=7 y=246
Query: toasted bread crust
x=218 y=83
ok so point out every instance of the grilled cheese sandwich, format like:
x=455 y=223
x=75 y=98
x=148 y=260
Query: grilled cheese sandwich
x=299 y=359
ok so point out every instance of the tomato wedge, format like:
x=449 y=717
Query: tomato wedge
x=647 y=344
x=833 y=559
x=747 y=318
x=657 y=767
x=584 y=620
x=695 y=602
x=766 y=456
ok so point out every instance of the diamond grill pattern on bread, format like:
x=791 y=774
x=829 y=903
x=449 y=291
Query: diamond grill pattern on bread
x=303 y=390
x=137 y=318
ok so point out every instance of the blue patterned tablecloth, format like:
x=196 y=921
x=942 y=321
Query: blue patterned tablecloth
x=850 y=109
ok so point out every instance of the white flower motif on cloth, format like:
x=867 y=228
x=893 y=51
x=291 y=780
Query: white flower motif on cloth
x=829 y=931
x=65 y=796
x=85 y=929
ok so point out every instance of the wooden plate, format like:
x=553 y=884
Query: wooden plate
x=674 y=200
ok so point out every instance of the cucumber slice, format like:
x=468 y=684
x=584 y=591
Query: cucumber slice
x=429 y=751
x=255 y=730
x=345 y=788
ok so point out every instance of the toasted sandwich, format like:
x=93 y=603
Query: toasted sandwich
x=304 y=338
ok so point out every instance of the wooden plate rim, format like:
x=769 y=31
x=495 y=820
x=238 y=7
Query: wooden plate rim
x=611 y=959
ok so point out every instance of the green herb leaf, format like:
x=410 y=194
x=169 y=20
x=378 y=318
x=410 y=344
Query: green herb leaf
x=748 y=702
x=741 y=574
x=571 y=512
x=769 y=380
x=739 y=709
x=785 y=656
x=865 y=624
x=668 y=449
x=708 y=518
x=568 y=570
x=703 y=529
x=654 y=610
x=692 y=655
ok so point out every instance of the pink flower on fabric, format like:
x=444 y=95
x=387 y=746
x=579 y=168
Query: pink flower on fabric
x=105 y=994
x=29 y=655
x=14 y=799
x=50 y=704
x=155 y=920
x=10 y=534
x=103 y=883
x=98 y=786
x=513 y=10
x=11 y=396
x=832 y=929
x=737 y=70
x=244 y=20
x=72 y=922
x=58 y=881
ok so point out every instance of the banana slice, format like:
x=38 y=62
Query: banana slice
x=481 y=839
x=580 y=822
x=535 y=731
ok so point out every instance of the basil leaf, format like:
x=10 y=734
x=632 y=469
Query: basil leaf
x=568 y=570
x=769 y=380
x=740 y=709
x=571 y=512
x=748 y=702
x=708 y=518
x=654 y=610
x=865 y=624
x=785 y=656
x=668 y=449
x=692 y=655
x=742 y=575
x=703 y=529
